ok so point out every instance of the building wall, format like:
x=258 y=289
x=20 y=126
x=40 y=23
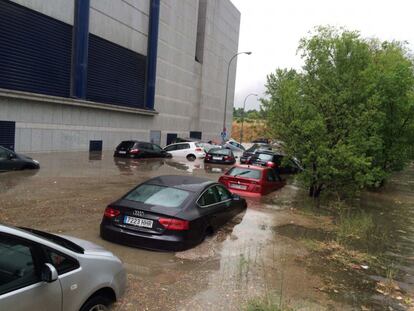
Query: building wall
x=62 y=10
x=221 y=43
x=124 y=22
x=189 y=95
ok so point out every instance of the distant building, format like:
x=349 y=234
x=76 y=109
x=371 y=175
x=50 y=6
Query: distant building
x=80 y=74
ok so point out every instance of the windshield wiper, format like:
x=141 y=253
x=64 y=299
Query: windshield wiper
x=242 y=173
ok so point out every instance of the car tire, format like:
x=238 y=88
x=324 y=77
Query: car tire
x=96 y=303
x=191 y=157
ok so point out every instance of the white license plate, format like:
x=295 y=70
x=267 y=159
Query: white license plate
x=236 y=186
x=139 y=222
x=122 y=152
x=217 y=158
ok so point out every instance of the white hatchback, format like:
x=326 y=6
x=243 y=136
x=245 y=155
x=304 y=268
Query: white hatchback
x=189 y=150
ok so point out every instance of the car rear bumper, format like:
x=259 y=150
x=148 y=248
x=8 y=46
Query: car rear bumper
x=244 y=160
x=119 y=235
x=245 y=193
x=125 y=155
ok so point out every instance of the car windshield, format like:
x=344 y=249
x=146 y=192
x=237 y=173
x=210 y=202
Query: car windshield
x=220 y=151
x=56 y=239
x=158 y=195
x=244 y=172
x=265 y=157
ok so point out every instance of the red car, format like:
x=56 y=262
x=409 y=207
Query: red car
x=248 y=180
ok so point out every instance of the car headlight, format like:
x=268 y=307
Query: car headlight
x=37 y=162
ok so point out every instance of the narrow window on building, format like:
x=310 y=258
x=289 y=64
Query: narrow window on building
x=201 y=28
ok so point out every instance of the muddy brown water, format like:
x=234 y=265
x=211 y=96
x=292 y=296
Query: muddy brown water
x=248 y=258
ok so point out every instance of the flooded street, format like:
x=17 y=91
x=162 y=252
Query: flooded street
x=261 y=253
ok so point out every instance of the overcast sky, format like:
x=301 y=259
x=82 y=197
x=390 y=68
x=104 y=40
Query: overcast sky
x=271 y=29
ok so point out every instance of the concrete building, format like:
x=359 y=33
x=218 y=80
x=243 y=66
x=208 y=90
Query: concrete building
x=85 y=74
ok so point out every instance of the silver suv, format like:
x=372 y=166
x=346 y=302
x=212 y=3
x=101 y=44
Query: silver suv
x=42 y=271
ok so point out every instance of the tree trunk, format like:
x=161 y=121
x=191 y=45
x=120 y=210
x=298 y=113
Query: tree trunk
x=315 y=191
x=311 y=190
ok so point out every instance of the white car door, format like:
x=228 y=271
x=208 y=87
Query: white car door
x=172 y=149
x=183 y=149
x=21 y=287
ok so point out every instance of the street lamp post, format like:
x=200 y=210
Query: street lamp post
x=227 y=89
x=244 y=109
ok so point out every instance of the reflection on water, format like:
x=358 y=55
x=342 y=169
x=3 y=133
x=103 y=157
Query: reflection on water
x=8 y=180
x=185 y=165
x=95 y=156
x=216 y=168
x=128 y=166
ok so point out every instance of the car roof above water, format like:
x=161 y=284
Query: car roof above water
x=188 y=183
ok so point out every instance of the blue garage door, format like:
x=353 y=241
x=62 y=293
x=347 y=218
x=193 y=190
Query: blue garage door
x=7 y=134
x=35 y=51
x=171 y=137
x=195 y=135
x=116 y=75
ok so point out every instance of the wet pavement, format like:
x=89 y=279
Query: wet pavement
x=252 y=256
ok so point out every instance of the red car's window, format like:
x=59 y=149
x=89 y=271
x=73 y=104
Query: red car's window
x=271 y=176
x=244 y=172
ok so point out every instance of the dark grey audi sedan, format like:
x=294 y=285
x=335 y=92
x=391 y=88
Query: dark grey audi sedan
x=170 y=213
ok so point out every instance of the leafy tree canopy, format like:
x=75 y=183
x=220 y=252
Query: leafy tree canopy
x=348 y=114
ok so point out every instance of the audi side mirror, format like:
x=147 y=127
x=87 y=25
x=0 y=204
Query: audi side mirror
x=49 y=273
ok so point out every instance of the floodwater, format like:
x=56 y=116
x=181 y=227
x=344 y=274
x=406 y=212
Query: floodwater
x=258 y=254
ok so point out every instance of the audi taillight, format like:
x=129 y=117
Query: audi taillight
x=111 y=212
x=174 y=224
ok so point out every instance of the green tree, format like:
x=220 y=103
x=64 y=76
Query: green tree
x=392 y=71
x=334 y=115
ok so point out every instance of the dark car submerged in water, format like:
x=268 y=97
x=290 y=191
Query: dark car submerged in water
x=140 y=149
x=220 y=156
x=170 y=213
x=10 y=160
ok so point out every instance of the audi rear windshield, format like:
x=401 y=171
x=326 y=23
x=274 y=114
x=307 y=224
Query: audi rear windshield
x=158 y=195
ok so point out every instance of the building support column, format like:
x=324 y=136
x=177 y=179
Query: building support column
x=80 y=40
x=152 y=53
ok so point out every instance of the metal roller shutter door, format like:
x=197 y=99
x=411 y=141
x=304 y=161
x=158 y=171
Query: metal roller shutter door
x=35 y=51
x=116 y=75
x=7 y=134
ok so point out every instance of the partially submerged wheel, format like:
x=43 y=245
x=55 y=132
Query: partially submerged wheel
x=191 y=157
x=97 y=303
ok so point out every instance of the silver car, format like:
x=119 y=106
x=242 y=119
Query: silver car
x=42 y=271
x=234 y=145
